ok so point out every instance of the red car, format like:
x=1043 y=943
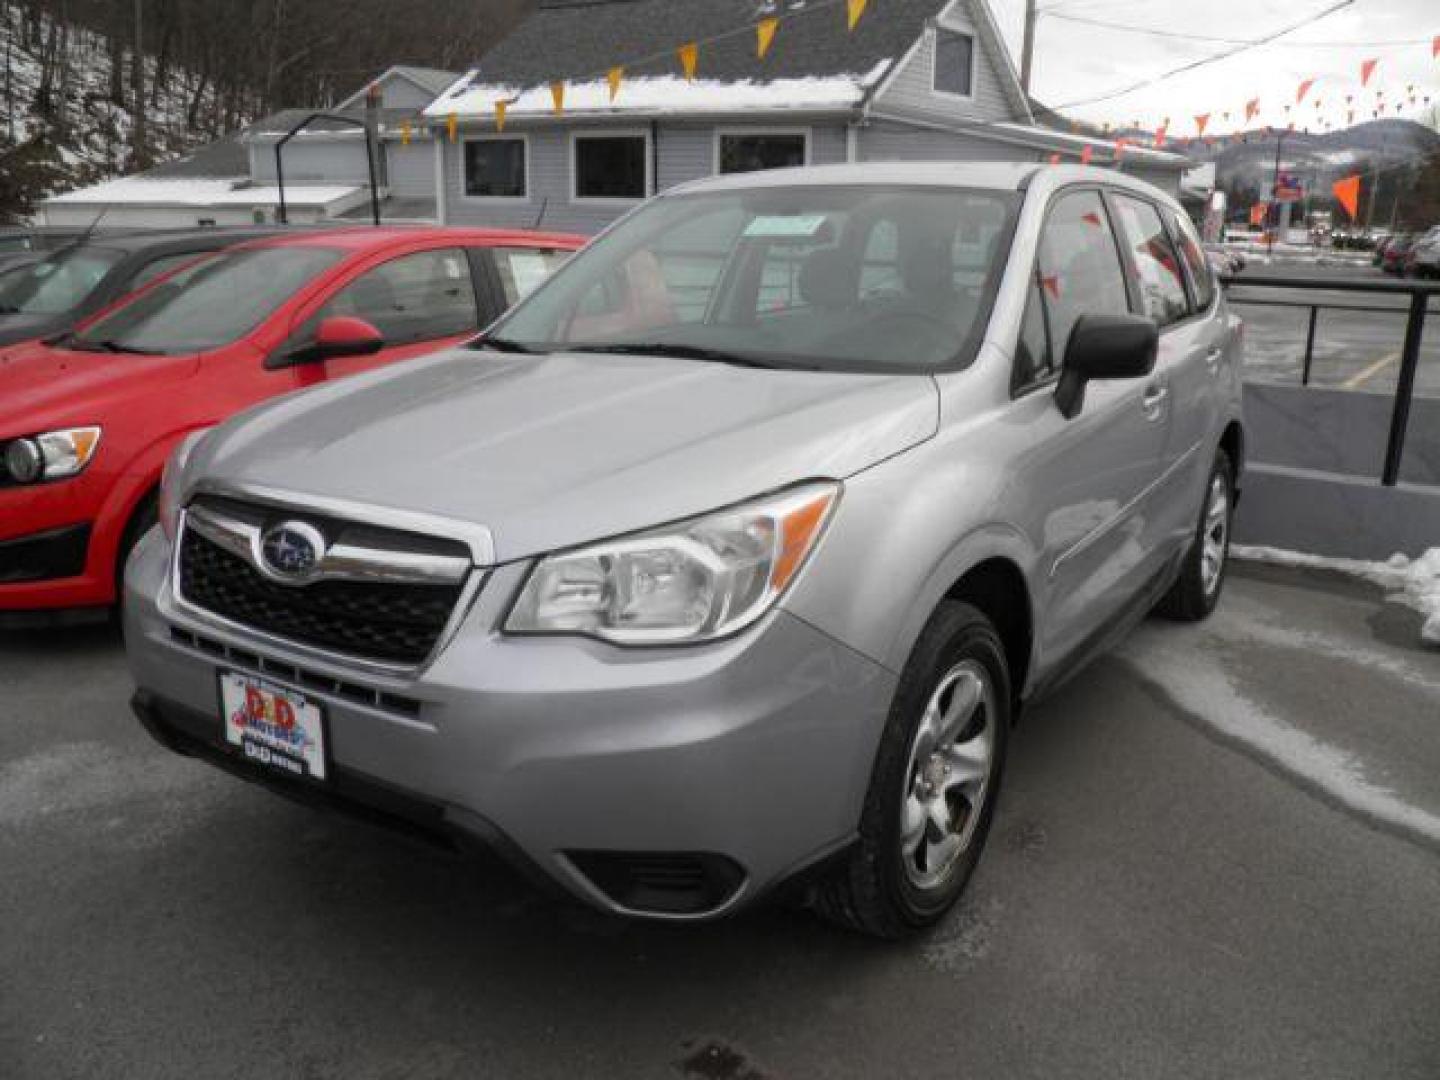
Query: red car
x=87 y=420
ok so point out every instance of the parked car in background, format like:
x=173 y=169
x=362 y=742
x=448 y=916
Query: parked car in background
x=1423 y=258
x=88 y=419
x=746 y=534
x=1392 y=261
x=71 y=284
x=1377 y=254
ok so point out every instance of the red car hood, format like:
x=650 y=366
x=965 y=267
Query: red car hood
x=43 y=386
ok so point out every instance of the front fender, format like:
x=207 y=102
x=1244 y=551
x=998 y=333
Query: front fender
x=905 y=532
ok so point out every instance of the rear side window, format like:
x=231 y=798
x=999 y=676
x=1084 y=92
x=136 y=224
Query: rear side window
x=416 y=297
x=522 y=269
x=1077 y=272
x=159 y=267
x=1201 y=278
x=1162 y=283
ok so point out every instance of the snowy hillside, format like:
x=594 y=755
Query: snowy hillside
x=64 y=114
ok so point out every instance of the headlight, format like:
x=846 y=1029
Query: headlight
x=694 y=581
x=169 y=508
x=52 y=456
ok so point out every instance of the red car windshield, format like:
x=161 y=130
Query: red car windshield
x=210 y=304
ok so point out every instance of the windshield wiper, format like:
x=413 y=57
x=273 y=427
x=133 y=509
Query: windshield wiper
x=112 y=346
x=682 y=352
x=506 y=345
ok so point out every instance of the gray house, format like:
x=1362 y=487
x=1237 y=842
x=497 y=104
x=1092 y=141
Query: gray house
x=915 y=80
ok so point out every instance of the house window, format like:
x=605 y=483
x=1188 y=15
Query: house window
x=611 y=166
x=495 y=168
x=954 y=63
x=752 y=151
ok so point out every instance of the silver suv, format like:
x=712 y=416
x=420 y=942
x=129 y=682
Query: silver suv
x=728 y=558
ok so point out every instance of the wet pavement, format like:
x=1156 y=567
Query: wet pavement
x=1217 y=855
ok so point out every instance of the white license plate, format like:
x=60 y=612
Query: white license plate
x=274 y=727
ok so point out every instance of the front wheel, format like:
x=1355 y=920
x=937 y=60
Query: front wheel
x=1202 y=575
x=934 y=784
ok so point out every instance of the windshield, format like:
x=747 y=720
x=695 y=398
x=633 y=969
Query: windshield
x=209 y=304
x=862 y=278
x=58 y=284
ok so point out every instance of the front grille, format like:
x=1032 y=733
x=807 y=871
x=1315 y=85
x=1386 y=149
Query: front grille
x=386 y=621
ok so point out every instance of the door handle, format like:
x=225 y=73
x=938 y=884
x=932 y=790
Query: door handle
x=1212 y=358
x=1153 y=403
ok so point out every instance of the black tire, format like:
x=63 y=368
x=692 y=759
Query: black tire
x=142 y=520
x=1194 y=595
x=872 y=891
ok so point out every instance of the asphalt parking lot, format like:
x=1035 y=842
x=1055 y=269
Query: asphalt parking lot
x=1354 y=350
x=1218 y=854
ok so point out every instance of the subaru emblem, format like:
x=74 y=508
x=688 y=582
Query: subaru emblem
x=291 y=550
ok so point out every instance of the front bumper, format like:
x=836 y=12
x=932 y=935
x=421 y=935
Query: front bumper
x=728 y=767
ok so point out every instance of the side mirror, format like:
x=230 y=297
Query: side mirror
x=344 y=335
x=337 y=336
x=1104 y=347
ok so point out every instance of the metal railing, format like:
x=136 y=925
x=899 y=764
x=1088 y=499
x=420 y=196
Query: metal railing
x=1419 y=294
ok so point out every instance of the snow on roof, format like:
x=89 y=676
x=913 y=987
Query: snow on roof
x=667 y=94
x=202 y=192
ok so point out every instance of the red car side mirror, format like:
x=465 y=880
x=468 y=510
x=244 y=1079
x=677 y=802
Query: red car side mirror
x=344 y=335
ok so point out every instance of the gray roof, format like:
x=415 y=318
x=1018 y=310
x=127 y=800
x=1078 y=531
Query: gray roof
x=432 y=79
x=222 y=159
x=278 y=123
x=568 y=39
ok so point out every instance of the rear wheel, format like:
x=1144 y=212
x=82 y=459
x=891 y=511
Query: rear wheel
x=1202 y=575
x=934 y=784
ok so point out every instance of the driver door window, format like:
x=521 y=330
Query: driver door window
x=1077 y=272
x=421 y=297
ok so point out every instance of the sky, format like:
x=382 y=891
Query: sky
x=1075 y=61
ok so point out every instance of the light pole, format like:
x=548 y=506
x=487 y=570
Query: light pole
x=1274 y=195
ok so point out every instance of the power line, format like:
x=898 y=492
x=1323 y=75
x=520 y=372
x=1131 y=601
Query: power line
x=1152 y=31
x=1213 y=58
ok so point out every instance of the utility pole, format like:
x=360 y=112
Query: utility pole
x=139 y=157
x=1027 y=50
x=1274 y=195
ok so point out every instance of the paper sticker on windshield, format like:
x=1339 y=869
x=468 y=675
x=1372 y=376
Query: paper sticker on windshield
x=785 y=227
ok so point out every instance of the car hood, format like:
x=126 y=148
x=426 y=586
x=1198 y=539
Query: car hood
x=18 y=326
x=42 y=386
x=550 y=451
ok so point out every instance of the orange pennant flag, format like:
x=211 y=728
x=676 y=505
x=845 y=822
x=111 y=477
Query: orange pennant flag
x=1303 y=89
x=1086 y=154
x=689 y=58
x=1435 y=46
x=765 y=35
x=557 y=95
x=1347 y=194
x=500 y=107
x=615 y=76
x=853 y=10
x=1160 y=136
x=1201 y=121
x=1251 y=108
x=452 y=125
x=1367 y=68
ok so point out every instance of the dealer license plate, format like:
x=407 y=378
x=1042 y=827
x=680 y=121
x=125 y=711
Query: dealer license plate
x=274 y=727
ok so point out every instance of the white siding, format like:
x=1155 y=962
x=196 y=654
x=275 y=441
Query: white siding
x=327 y=161
x=883 y=141
x=412 y=168
x=912 y=89
x=684 y=152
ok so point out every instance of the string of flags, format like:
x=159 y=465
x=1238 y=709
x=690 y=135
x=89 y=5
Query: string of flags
x=687 y=55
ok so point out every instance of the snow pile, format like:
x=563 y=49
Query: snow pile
x=659 y=94
x=203 y=192
x=1414 y=582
